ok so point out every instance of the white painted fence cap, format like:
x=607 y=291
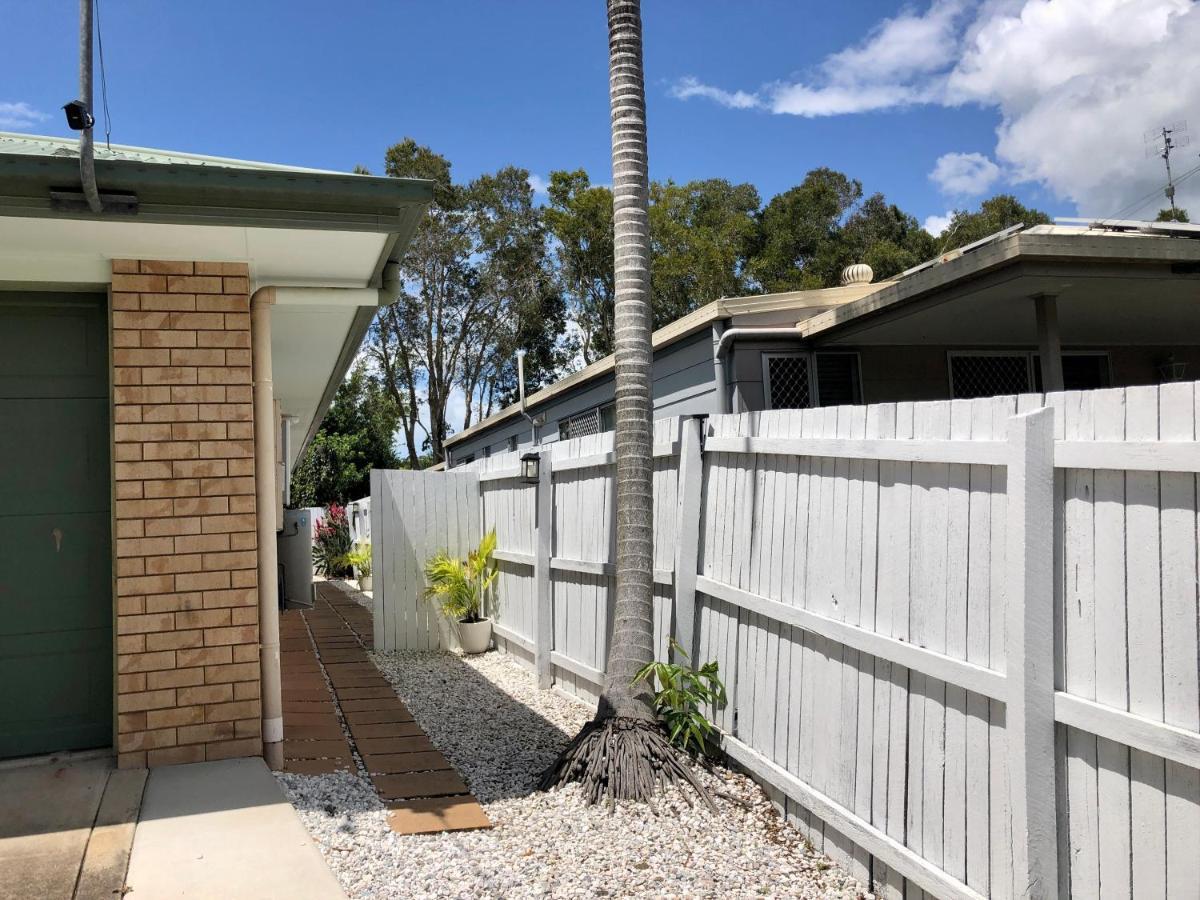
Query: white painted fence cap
x=858 y=273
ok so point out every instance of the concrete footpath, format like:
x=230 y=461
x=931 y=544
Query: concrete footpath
x=224 y=830
x=65 y=828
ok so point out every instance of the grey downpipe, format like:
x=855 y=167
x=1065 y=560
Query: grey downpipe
x=534 y=423
x=264 y=501
x=723 y=340
x=719 y=380
x=87 y=162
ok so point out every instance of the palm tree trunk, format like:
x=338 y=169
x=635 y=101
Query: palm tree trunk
x=632 y=644
x=623 y=753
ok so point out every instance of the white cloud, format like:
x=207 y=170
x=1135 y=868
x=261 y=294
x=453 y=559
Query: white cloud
x=1106 y=71
x=837 y=100
x=539 y=184
x=935 y=225
x=964 y=174
x=688 y=87
x=1076 y=83
x=20 y=115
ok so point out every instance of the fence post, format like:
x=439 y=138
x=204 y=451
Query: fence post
x=687 y=533
x=381 y=638
x=543 y=613
x=1029 y=654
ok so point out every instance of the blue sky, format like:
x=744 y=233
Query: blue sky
x=757 y=92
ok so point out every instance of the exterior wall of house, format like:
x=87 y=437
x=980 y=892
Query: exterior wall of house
x=893 y=374
x=683 y=382
x=184 y=513
x=683 y=386
x=745 y=368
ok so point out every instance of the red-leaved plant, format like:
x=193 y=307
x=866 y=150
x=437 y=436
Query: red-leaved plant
x=332 y=543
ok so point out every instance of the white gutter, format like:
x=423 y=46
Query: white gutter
x=724 y=339
x=265 y=495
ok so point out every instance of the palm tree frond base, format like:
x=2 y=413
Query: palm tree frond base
x=620 y=758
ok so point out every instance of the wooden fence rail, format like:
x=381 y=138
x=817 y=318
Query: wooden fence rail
x=959 y=638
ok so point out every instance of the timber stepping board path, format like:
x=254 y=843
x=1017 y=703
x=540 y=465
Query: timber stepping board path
x=328 y=680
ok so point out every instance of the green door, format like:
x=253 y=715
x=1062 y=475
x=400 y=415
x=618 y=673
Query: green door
x=56 y=678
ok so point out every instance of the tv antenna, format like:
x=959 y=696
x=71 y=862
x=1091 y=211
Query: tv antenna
x=1160 y=142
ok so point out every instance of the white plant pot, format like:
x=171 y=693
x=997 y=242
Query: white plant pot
x=364 y=582
x=475 y=637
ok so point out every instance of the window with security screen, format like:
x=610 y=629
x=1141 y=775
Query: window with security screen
x=580 y=424
x=786 y=378
x=988 y=374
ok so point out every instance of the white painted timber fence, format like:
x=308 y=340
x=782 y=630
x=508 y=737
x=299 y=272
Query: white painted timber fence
x=960 y=638
x=417 y=514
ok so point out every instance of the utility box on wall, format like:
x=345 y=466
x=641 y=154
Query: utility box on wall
x=295 y=556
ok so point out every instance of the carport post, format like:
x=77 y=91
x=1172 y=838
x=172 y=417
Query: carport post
x=1049 y=347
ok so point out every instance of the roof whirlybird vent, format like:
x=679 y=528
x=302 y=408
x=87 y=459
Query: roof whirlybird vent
x=859 y=273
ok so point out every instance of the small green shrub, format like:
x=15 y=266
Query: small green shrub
x=360 y=559
x=332 y=543
x=460 y=587
x=681 y=694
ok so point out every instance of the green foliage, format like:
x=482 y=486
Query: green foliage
x=332 y=543
x=360 y=558
x=798 y=227
x=478 y=283
x=1172 y=215
x=701 y=234
x=580 y=216
x=461 y=587
x=681 y=694
x=491 y=271
x=883 y=236
x=1000 y=212
x=355 y=437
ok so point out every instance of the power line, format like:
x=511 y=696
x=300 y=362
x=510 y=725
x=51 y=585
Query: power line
x=1144 y=200
x=103 y=79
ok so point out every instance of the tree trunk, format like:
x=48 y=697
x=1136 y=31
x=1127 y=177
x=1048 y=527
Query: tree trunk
x=632 y=644
x=623 y=753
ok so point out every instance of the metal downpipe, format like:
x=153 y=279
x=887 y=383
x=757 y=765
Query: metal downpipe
x=723 y=341
x=719 y=378
x=264 y=501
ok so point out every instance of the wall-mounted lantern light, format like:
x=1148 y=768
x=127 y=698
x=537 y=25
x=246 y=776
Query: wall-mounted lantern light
x=530 y=466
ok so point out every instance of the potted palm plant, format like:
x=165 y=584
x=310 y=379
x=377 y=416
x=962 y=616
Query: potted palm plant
x=360 y=559
x=461 y=587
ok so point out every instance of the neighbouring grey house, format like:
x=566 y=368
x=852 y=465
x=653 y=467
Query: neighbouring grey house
x=1044 y=308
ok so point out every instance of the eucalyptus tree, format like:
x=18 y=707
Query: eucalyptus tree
x=580 y=216
x=994 y=214
x=476 y=284
x=623 y=753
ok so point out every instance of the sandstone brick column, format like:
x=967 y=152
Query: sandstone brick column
x=184 y=523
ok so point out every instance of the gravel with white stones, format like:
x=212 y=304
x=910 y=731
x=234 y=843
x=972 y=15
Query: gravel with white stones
x=487 y=716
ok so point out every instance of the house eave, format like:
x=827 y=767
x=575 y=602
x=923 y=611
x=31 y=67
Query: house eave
x=184 y=194
x=675 y=331
x=1029 y=246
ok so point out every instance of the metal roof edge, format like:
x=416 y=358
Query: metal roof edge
x=1080 y=247
x=681 y=328
x=664 y=336
x=214 y=194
